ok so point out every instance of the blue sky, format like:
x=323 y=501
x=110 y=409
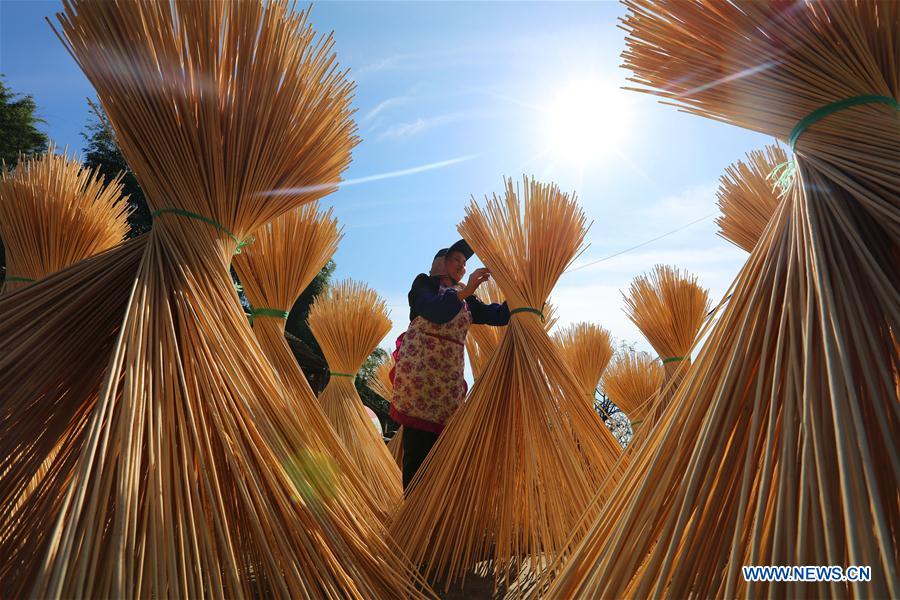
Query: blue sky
x=478 y=86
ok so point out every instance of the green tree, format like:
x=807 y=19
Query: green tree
x=18 y=126
x=100 y=151
x=19 y=135
x=296 y=322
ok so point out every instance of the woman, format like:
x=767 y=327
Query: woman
x=428 y=377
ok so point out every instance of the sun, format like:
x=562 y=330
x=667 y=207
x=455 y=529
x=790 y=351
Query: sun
x=586 y=122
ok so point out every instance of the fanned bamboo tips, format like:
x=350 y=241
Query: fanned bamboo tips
x=348 y=321
x=587 y=350
x=519 y=460
x=55 y=212
x=166 y=77
x=778 y=448
x=631 y=381
x=381 y=381
x=285 y=256
x=748 y=195
x=137 y=368
x=669 y=307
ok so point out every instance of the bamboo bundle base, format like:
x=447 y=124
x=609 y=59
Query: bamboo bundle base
x=345 y=411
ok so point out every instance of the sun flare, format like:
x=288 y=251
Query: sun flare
x=586 y=122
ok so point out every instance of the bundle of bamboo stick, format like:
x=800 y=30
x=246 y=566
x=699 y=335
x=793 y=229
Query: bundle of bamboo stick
x=55 y=212
x=779 y=446
x=748 y=195
x=632 y=382
x=669 y=307
x=587 y=350
x=382 y=385
x=171 y=480
x=284 y=258
x=349 y=320
x=519 y=460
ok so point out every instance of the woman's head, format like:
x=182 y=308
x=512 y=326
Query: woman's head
x=451 y=262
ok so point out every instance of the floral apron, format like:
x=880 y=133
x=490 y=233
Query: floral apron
x=429 y=383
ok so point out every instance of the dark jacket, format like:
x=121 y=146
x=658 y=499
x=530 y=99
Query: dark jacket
x=425 y=301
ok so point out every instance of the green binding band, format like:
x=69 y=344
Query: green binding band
x=24 y=279
x=783 y=174
x=824 y=111
x=265 y=311
x=207 y=220
x=333 y=374
x=673 y=359
x=527 y=309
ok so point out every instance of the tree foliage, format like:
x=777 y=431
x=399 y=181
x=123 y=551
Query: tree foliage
x=100 y=151
x=19 y=133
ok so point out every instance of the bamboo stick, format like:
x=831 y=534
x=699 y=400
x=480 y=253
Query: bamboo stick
x=587 y=349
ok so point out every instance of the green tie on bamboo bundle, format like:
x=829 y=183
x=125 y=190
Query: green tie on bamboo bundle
x=482 y=340
x=176 y=472
x=779 y=445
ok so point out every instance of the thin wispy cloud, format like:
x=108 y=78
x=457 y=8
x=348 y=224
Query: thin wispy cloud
x=420 y=125
x=382 y=64
x=369 y=178
x=383 y=106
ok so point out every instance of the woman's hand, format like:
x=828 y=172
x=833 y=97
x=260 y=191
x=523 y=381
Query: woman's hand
x=477 y=277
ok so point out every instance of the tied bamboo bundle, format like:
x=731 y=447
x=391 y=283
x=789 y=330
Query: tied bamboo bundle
x=482 y=340
x=349 y=320
x=779 y=447
x=669 y=307
x=53 y=213
x=521 y=457
x=171 y=480
x=748 y=196
x=382 y=385
x=631 y=382
x=285 y=256
x=587 y=350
